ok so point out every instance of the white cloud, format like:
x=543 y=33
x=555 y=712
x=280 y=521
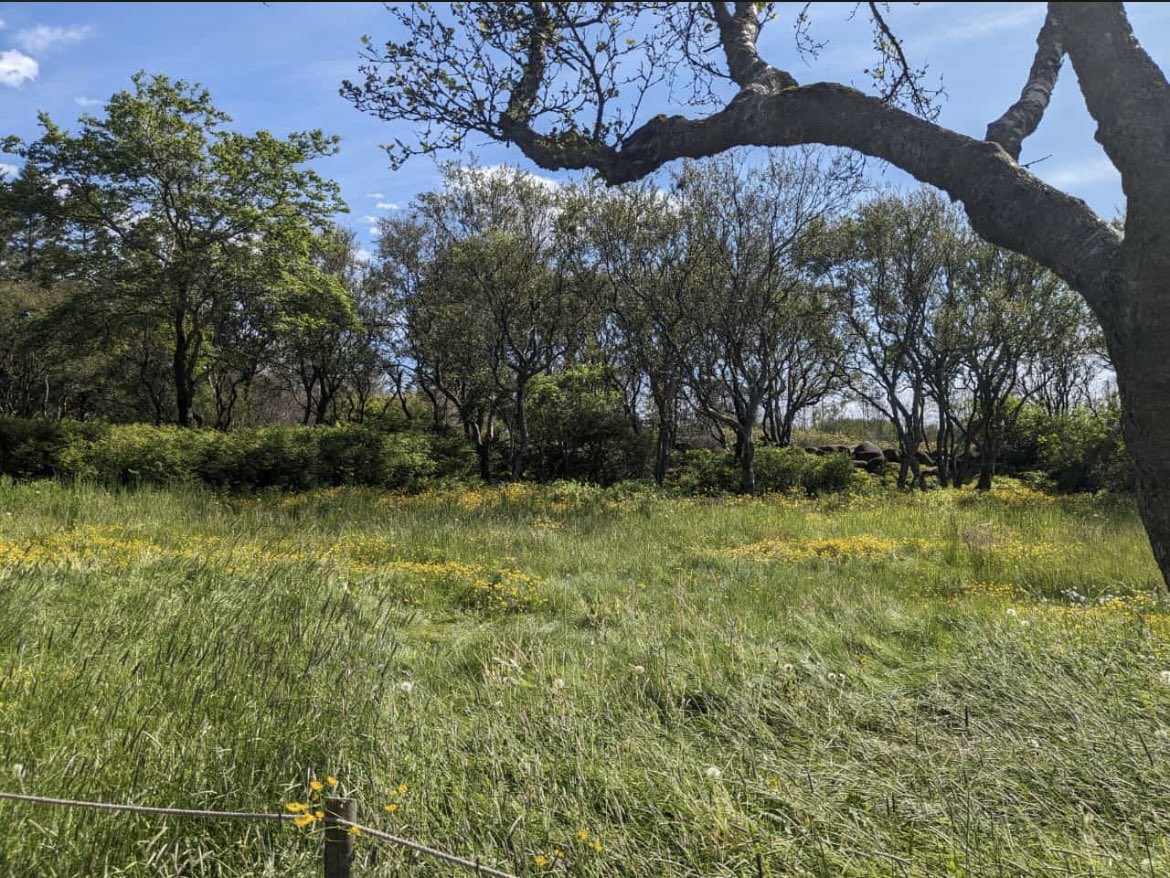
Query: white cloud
x=2 y=24
x=387 y=205
x=363 y=255
x=369 y=219
x=1087 y=172
x=375 y=195
x=7 y=170
x=89 y=102
x=45 y=37
x=17 y=68
x=507 y=171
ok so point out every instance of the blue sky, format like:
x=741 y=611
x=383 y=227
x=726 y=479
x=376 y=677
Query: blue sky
x=279 y=66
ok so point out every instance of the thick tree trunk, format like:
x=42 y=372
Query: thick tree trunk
x=1141 y=360
x=747 y=456
x=183 y=389
x=483 y=450
x=1145 y=397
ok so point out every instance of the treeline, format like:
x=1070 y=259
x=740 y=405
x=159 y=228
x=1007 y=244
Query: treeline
x=157 y=267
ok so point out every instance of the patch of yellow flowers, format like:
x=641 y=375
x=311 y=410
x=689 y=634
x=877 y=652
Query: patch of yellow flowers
x=474 y=586
x=861 y=546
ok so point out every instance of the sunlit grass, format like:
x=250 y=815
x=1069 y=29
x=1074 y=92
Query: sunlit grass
x=937 y=684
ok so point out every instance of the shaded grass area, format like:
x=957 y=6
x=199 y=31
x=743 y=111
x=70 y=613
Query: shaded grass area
x=598 y=682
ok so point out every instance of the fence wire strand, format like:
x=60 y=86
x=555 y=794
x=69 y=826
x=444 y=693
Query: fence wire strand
x=115 y=807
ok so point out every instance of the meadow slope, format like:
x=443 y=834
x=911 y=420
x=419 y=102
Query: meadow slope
x=566 y=680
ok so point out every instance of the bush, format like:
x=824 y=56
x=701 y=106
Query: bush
x=264 y=457
x=135 y=454
x=781 y=469
x=698 y=471
x=578 y=429
x=1079 y=451
x=31 y=449
x=304 y=458
x=830 y=474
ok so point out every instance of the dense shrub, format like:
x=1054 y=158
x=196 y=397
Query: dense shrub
x=698 y=471
x=830 y=474
x=33 y=448
x=290 y=458
x=135 y=454
x=777 y=469
x=265 y=457
x=578 y=429
x=1079 y=451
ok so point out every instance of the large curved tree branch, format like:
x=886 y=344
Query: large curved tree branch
x=1023 y=117
x=1006 y=204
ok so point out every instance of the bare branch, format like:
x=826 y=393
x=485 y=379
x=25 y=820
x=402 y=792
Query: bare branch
x=1023 y=117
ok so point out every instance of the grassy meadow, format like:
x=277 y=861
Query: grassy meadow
x=568 y=680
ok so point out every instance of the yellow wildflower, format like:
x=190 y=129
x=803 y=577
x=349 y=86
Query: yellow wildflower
x=390 y=808
x=403 y=788
x=316 y=786
x=296 y=807
x=541 y=860
x=304 y=820
x=583 y=834
x=331 y=780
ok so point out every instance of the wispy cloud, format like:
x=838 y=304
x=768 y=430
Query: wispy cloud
x=974 y=27
x=369 y=219
x=363 y=255
x=387 y=205
x=46 y=37
x=2 y=24
x=960 y=25
x=7 y=170
x=17 y=68
x=1086 y=172
x=89 y=102
x=377 y=195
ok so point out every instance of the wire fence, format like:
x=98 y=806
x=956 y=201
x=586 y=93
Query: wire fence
x=337 y=861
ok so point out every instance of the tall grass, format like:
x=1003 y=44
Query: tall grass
x=944 y=684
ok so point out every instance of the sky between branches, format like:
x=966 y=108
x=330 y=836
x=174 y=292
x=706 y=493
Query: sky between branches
x=278 y=66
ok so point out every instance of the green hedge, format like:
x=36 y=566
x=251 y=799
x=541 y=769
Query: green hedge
x=294 y=458
x=302 y=458
x=777 y=469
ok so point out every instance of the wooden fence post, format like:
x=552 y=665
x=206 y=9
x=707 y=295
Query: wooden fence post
x=338 y=839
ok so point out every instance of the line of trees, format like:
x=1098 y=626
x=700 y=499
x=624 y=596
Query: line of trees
x=157 y=266
x=731 y=300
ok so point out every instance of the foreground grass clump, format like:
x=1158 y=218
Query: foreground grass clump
x=567 y=680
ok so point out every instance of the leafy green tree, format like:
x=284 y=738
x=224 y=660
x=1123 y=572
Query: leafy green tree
x=639 y=237
x=185 y=200
x=760 y=235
